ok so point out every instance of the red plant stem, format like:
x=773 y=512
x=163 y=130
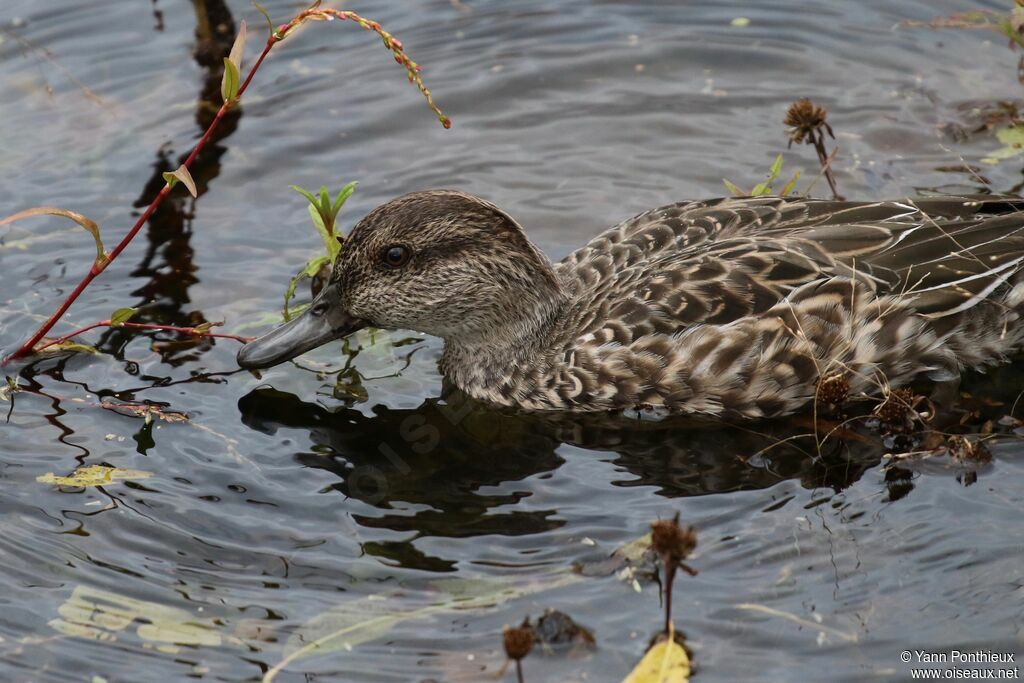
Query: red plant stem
x=98 y=267
x=191 y=331
x=392 y=44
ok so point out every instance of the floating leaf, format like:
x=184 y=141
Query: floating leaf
x=66 y=345
x=89 y=225
x=182 y=174
x=145 y=410
x=93 y=475
x=229 y=81
x=740 y=21
x=9 y=388
x=270 y=24
x=122 y=315
x=665 y=662
x=1013 y=139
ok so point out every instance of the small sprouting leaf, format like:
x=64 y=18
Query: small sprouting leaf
x=89 y=225
x=93 y=475
x=122 y=315
x=305 y=193
x=314 y=266
x=343 y=195
x=238 y=48
x=737 y=192
x=182 y=174
x=790 y=185
x=318 y=222
x=325 y=202
x=270 y=24
x=229 y=82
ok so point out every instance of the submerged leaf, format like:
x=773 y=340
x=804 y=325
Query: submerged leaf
x=86 y=223
x=93 y=475
x=99 y=615
x=360 y=621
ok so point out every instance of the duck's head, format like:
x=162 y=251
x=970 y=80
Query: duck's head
x=440 y=262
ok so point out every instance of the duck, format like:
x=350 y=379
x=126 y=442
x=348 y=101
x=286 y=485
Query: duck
x=736 y=307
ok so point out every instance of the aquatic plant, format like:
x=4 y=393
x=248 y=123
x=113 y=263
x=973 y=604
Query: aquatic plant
x=233 y=86
x=808 y=123
x=323 y=211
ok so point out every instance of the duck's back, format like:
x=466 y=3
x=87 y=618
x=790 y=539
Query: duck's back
x=668 y=295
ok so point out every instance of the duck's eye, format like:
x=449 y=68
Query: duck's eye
x=396 y=256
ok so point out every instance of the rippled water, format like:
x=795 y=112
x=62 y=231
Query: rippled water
x=283 y=510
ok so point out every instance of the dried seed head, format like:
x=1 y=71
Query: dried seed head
x=671 y=541
x=518 y=640
x=834 y=389
x=896 y=411
x=805 y=118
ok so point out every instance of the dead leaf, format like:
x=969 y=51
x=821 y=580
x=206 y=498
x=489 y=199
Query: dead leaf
x=93 y=475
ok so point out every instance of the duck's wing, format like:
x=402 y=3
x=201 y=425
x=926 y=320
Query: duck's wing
x=718 y=261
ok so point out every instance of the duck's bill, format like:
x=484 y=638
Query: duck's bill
x=297 y=336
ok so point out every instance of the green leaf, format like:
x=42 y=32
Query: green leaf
x=314 y=266
x=305 y=193
x=325 y=202
x=790 y=185
x=182 y=174
x=270 y=24
x=343 y=195
x=66 y=345
x=737 y=192
x=89 y=225
x=318 y=222
x=122 y=315
x=229 y=83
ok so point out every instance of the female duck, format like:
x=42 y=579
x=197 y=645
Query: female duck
x=728 y=307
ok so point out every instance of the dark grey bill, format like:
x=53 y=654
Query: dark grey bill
x=317 y=325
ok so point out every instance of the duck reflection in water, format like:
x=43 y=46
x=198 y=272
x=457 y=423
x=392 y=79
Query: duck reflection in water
x=449 y=454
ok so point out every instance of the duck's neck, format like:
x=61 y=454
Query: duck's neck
x=501 y=362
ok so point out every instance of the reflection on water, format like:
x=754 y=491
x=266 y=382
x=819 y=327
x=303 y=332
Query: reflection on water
x=349 y=489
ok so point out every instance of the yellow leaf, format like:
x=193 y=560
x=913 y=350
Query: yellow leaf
x=89 y=225
x=93 y=475
x=666 y=662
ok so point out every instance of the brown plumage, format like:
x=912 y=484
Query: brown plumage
x=728 y=307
